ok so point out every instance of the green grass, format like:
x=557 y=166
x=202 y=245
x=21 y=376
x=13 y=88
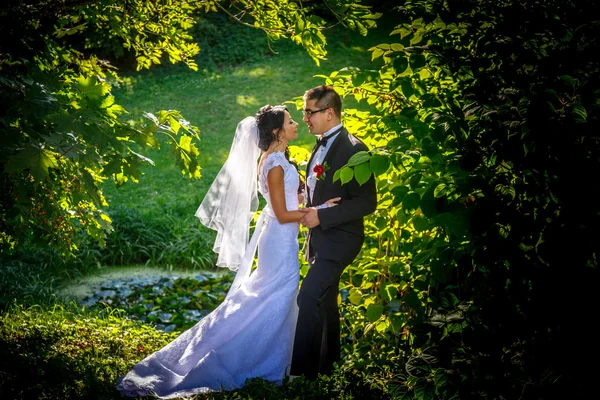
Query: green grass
x=161 y=206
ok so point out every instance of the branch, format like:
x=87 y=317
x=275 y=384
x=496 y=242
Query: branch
x=245 y=23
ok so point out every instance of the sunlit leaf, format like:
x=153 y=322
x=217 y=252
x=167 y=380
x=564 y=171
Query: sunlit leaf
x=346 y=174
x=359 y=158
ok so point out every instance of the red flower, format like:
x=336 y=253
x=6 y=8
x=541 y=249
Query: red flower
x=320 y=169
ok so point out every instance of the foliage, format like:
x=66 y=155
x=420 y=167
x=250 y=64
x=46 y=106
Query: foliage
x=58 y=353
x=61 y=131
x=487 y=119
x=64 y=134
x=67 y=352
x=480 y=264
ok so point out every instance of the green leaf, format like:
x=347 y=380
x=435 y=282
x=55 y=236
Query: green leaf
x=336 y=175
x=36 y=160
x=175 y=125
x=407 y=89
x=440 y=190
x=377 y=52
x=580 y=114
x=420 y=223
x=411 y=202
x=362 y=173
x=355 y=296
x=506 y=190
x=379 y=164
x=346 y=175
x=91 y=187
x=429 y=204
x=399 y=193
x=388 y=291
x=358 y=158
x=412 y=299
x=440 y=379
x=398 y=322
x=374 y=312
x=400 y=63
x=381 y=223
x=416 y=61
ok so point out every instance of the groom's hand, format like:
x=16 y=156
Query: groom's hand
x=311 y=218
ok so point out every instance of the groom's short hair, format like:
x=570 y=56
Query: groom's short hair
x=326 y=97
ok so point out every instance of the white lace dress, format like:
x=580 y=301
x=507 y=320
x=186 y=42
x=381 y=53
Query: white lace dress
x=251 y=333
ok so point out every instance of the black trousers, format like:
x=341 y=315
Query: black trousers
x=317 y=339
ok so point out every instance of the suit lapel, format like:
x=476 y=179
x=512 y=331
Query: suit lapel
x=306 y=173
x=320 y=186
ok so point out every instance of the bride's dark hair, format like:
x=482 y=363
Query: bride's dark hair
x=269 y=118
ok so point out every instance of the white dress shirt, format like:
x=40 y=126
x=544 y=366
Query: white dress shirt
x=311 y=179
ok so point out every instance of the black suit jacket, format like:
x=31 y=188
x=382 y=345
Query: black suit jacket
x=341 y=233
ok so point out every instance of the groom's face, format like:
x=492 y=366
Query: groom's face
x=318 y=119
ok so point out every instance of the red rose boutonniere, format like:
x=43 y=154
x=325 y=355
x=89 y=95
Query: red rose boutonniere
x=320 y=169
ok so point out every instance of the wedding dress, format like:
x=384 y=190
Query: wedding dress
x=250 y=335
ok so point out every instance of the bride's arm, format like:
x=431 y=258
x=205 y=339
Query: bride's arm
x=277 y=196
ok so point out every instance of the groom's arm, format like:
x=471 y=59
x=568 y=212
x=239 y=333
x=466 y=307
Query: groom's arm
x=361 y=202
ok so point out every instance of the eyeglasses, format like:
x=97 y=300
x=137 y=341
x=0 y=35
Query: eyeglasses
x=309 y=113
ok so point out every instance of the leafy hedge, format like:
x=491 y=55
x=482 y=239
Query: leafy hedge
x=480 y=267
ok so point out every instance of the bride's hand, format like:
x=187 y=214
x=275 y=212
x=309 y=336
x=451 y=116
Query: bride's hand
x=333 y=202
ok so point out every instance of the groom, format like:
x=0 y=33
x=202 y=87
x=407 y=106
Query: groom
x=335 y=236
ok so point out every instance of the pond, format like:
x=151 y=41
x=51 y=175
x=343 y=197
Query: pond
x=169 y=300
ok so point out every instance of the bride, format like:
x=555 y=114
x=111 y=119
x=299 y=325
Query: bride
x=250 y=335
